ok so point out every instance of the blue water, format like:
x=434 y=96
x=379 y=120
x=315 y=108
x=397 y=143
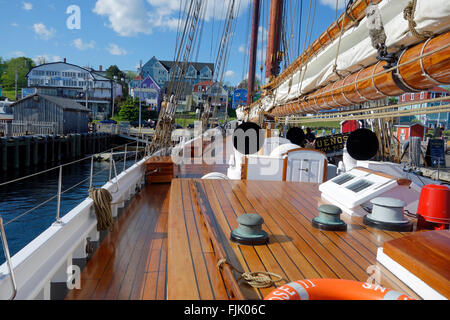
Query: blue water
x=21 y=196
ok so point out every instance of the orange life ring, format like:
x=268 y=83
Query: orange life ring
x=333 y=289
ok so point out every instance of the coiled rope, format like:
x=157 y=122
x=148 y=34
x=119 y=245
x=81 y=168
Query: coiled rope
x=102 y=204
x=259 y=279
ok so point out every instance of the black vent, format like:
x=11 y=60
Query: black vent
x=359 y=185
x=343 y=179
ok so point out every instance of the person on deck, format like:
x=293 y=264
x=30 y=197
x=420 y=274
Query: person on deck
x=310 y=138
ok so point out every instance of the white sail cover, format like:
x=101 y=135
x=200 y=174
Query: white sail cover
x=356 y=50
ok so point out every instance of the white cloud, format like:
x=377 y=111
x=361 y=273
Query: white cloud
x=14 y=24
x=126 y=17
x=43 y=32
x=27 y=6
x=132 y=17
x=332 y=3
x=19 y=53
x=80 y=45
x=46 y=58
x=115 y=50
x=229 y=74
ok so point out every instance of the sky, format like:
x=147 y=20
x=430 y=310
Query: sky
x=123 y=32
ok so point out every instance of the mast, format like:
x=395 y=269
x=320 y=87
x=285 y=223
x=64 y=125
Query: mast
x=253 y=51
x=273 y=57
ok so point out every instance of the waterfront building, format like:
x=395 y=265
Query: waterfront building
x=199 y=92
x=429 y=120
x=84 y=86
x=68 y=115
x=162 y=70
x=239 y=97
x=147 y=90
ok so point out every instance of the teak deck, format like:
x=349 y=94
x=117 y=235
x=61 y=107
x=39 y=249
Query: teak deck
x=161 y=249
x=295 y=251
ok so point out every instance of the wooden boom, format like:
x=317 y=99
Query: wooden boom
x=419 y=68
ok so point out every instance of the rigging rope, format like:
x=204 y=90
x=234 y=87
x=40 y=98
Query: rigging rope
x=335 y=71
x=408 y=14
x=259 y=279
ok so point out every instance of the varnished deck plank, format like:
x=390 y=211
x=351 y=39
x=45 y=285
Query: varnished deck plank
x=120 y=267
x=296 y=250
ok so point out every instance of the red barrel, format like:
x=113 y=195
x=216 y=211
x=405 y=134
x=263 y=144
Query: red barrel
x=434 y=204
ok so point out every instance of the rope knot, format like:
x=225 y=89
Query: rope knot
x=259 y=279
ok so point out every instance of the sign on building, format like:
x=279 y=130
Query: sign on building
x=28 y=92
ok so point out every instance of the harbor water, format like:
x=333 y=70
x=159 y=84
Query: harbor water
x=18 y=198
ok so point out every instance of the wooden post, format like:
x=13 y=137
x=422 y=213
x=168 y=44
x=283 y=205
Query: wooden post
x=27 y=151
x=4 y=150
x=45 y=149
x=253 y=51
x=274 y=39
x=16 y=153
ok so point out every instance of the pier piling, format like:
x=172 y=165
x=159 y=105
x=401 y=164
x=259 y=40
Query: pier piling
x=30 y=151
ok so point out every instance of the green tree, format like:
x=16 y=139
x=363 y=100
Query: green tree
x=2 y=67
x=115 y=71
x=20 y=65
x=129 y=109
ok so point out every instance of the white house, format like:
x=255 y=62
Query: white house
x=70 y=81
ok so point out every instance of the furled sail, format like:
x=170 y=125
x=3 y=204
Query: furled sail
x=345 y=71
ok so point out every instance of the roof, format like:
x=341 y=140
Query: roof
x=95 y=75
x=409 y=124
x=208 y=83
x=66 y=104
x=197 y=65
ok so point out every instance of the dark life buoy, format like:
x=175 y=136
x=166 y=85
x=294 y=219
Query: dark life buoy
x=297 y=136
x=362 y=144
x=248 y=138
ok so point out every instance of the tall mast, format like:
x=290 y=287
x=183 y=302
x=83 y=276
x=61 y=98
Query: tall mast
x=273 y=57
x=253 y=51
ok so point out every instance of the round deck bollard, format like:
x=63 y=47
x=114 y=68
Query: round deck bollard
x=387 y=214
x=249 y=231
x=329 y=219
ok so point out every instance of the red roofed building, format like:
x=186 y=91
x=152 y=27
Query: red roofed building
x=430 y=120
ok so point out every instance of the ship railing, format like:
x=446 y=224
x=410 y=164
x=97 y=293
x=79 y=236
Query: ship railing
x=128 y=154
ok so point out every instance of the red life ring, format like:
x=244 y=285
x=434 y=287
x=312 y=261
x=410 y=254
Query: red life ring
x=333 y=289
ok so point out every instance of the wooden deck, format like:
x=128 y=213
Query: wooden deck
x=131 y=261
x=296 y=250
x=160 y=241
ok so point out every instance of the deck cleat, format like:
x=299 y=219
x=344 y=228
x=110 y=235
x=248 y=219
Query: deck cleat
x=249 y=231
x=387 y=214
x=329 y=219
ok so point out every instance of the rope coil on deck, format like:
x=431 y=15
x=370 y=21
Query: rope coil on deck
x=258 y=279
x=102 y=204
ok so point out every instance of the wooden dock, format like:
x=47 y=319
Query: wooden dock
x=28 y=151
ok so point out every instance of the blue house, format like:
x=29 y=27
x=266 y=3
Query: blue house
x=239 y=98
x=161 y=72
